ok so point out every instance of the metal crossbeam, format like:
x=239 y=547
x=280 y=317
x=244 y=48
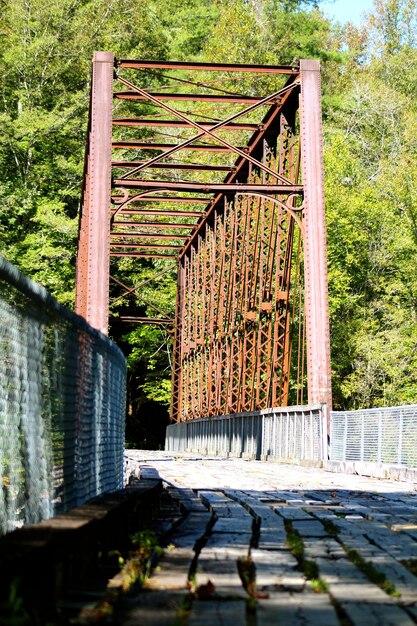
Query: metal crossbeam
x=208 y=67
x=178 y=124
x=207 y=187
x=173 y=199
x=176 y=166
x=132 y=235
x=188 y=97
x=161 y=225
x=129 y=319
x=140 y=145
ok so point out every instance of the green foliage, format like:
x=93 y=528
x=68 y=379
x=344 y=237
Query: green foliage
x=45 y=56
x=271 y=32
x=12 y=612
x=393 y=26
x=187 y=25
x=370 y=124
x=370 y=158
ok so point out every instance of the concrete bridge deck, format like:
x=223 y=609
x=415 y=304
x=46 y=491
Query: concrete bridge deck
x=311 y=547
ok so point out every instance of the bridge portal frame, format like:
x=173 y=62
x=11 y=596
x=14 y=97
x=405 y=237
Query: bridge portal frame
x=92 y=299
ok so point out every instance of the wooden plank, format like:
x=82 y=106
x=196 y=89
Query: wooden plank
x=296 y=609
x=188 y=499
x=233 y=525
x=218 y=612
x=222 y=505
x=151 y=608
x=272 y=534
x=218 y=564
x=191 y=529
x=277 y=569
x=172 y=571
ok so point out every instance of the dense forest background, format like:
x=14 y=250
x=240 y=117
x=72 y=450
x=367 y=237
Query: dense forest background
x=370 y=126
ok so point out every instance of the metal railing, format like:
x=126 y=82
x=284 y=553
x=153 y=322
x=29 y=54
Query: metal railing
x=384 y=435
x=62 y=405
x=284 y=434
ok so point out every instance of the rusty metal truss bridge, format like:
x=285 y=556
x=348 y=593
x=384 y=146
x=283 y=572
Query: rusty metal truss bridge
x=218 y=169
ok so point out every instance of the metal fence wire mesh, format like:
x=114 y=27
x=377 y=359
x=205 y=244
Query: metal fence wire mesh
x=384 y=435
x=62 y=406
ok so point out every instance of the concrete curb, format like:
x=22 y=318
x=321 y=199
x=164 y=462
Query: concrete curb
x=374 y=470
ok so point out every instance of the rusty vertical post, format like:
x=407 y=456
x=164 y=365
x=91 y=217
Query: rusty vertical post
x=177 y=353
x=92 y=292
x=315 y=262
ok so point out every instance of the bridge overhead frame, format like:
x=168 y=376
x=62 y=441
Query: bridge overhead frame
x=233 y=239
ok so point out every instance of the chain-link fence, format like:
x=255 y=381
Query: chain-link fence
x=285 y=434
x=62 y=405
x=385 y=435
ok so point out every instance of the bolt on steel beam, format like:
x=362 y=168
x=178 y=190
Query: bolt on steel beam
x=92 y=286
x=316 y=293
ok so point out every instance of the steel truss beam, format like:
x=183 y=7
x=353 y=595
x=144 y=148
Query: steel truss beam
x=208 y=187
x=92 y=283
x=175 y=166
x=188 y=97
x=160 y=225
x=144 y=320
x=236 y=258
x=130 y=235
x=207 y=67
x=178 y=124
x=140 y=145
x=143 y=255
x=171 y=199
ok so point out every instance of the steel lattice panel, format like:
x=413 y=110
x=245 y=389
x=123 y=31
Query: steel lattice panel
x=234 y=338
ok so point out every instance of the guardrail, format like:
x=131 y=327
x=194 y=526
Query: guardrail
x=385 y=435
x=294 y=434
x=62 y=406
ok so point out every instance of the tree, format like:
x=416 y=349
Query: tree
x=371 y=193
x=393 y=25
x=45 y=56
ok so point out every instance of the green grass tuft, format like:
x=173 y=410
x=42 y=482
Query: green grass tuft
x=373 y=574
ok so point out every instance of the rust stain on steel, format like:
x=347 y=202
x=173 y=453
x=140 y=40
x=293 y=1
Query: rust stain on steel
x=316 y=297
x=234 y=321
x=159 y=225
x=159 y=321
x=178 y=123
x=93 y=252
x=133 y=235
x=207 y=187
x=173 y=199
x=189 y=97
x=175 y=166
x=207 y=67
x=140 y=145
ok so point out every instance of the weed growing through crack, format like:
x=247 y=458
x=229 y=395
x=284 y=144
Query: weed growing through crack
x=411 y=565
x=294 y=541
x=247 y=573
x=318 y=585
x=374 y=575
x=330 y=527
x=309 y=568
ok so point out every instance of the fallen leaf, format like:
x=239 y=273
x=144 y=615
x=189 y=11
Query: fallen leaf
x=205 y=591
